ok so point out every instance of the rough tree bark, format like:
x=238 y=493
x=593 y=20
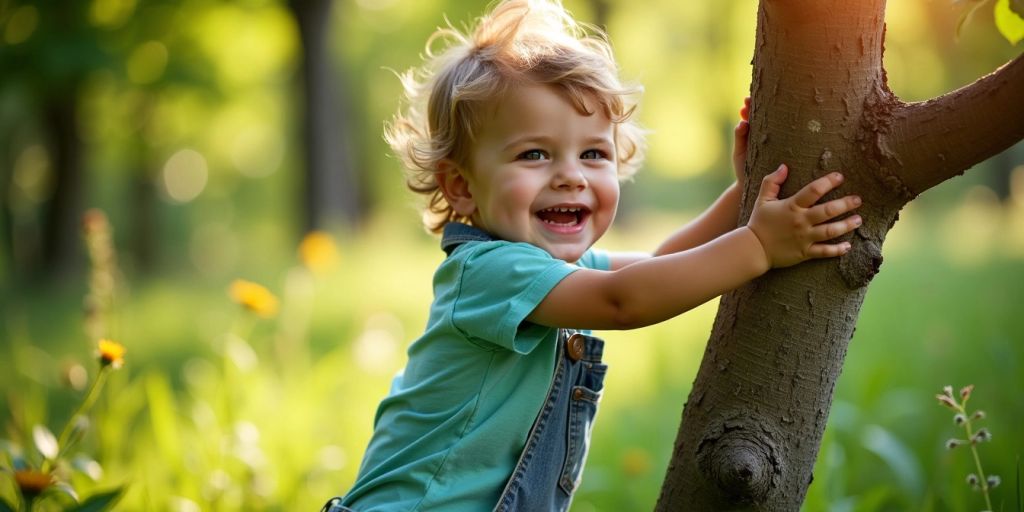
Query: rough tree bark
x=754 y=419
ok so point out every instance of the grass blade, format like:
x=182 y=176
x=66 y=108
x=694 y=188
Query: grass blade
x=100 y=502
x=1020 y=504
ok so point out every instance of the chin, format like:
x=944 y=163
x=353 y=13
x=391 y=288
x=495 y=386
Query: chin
x=566 y=255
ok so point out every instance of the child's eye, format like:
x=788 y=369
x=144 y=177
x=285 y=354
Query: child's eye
x=594 y=154
x=533 y=154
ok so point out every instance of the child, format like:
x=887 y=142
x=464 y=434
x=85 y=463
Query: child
x=518 y=134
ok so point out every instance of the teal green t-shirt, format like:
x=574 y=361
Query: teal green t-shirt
x=450 y=431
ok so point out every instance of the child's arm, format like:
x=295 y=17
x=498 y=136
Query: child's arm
x=780 y=233
x=720 y=218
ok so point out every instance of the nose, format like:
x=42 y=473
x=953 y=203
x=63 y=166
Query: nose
x=568 y=176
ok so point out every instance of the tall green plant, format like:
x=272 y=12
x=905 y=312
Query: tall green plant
x=967 y=420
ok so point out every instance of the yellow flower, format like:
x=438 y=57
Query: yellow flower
x=636 y=462
x=111 y=353
x=318 y=252
x=31 y=482
x=253 y=297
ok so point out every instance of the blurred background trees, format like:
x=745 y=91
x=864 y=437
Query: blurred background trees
x=176 y=115
x=216 y=134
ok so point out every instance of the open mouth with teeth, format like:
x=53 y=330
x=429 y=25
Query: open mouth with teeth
x=563 y=217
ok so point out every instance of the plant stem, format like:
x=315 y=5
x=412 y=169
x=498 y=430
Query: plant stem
x=977 y=460
x=83 y=409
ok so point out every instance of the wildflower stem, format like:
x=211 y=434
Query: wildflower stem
x=977 y=460
x=83 y=409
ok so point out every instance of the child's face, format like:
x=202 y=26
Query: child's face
x=542 y=173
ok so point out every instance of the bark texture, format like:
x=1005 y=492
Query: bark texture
x=755 y=417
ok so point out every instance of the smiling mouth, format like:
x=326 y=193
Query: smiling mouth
x=563 y=216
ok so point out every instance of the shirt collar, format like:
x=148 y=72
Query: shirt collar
x=457 y=233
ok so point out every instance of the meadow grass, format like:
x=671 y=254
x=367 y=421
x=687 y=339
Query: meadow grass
x=220 y=409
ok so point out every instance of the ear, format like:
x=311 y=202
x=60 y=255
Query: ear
x=455 y=187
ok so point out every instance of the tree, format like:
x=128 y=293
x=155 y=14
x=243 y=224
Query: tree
x=754 y=419
x=331 y=189
x=49 y=61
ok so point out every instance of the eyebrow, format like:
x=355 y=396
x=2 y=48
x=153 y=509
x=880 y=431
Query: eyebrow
x=545 y=139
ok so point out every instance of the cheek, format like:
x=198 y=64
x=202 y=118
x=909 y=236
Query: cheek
x=608 y=192
x=517 y=193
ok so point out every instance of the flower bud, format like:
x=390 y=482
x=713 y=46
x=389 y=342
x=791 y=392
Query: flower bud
x=981 y=436
x=965 y=392
x=972 y=480
x=953 y=443
x=978 y=415
x=993 y=481
x=947 y=401
x=959 y=419
x=948 y=391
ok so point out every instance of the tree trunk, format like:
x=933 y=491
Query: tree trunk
x=61 y=243
x=331 y=192
x=754 y=420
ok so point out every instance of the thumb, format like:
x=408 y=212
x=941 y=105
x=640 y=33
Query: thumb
x=772 y=183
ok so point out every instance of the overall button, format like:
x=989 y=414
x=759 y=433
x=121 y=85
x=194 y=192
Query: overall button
x=574 y=347
x=577 y=394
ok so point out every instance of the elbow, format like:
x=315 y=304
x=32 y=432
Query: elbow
x=624 y=317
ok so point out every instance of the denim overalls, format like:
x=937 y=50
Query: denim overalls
x=550 y=466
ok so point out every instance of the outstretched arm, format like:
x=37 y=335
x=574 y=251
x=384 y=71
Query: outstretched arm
x=720 y=218
x=780 y=233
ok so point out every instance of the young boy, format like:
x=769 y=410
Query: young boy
x=518 y=134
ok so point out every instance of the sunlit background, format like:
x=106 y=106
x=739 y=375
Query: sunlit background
x=188 y=124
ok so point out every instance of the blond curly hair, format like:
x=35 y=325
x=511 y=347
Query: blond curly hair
x=519 y=42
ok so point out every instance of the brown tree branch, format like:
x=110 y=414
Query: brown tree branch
x=940 y=138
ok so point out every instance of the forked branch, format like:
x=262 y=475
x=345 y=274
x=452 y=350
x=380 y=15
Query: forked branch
x=942 y=137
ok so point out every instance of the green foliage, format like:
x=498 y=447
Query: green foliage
x=1008 y=14
x=100 y=502
x=248 y=413
x=219 y=409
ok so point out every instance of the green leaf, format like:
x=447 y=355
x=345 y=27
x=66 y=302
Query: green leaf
x=1009 y=20
x=163 y=415
x=5 y=507
x=64 y=491
x=45 y=441
x=900 y=459
x=100 y=502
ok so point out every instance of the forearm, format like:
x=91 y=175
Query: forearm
x=661 y=288
x=720 y=218
x=655 y=289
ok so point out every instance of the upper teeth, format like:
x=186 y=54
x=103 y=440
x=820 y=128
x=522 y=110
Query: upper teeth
x=563 y=210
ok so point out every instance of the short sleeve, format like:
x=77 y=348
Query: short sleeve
x=500 y=285
x=595 y=259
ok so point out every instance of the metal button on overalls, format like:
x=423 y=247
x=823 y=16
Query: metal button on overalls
x=574 y=347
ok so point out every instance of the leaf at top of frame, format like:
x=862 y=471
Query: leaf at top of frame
x=1009 y=21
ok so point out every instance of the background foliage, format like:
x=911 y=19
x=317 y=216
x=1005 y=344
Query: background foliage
x=187 y=112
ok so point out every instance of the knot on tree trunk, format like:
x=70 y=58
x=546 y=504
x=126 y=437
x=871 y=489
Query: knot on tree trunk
x=741 y=459
x=860 y=265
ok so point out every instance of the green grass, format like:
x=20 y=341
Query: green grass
x=227 y=412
